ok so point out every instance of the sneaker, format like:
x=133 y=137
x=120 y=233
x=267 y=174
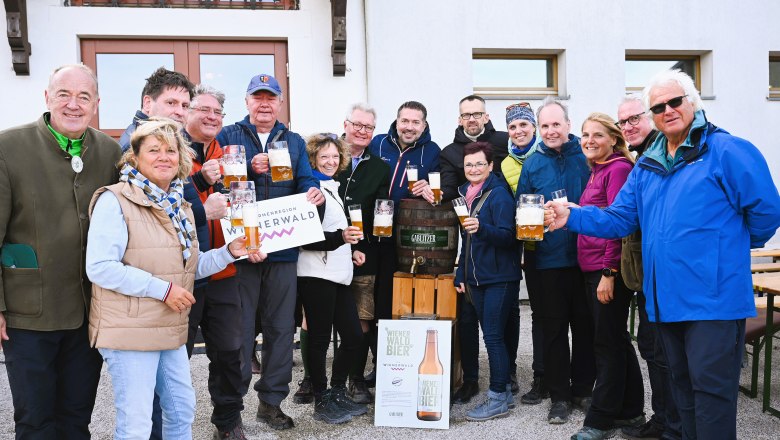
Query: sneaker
x=588 y=433
x=513 y=382
x=339 y=396
x=633 y=422
x=326 y=410
x=536 y=394
x=273 y=416
x=582 y=403
x=237 y=433
x=371 y=378
x=650 y=430
x=510 y=399
x=464 y=394
x=358 y=392
x=495 y=405
x=304 y=393
x=559 y=412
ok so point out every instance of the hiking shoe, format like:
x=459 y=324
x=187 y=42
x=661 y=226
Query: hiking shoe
x=588 y=433
x=635 y=422
x=339 y=396
x=237 y=433
x=326 y=410
x=304 y=393
x=273 y=416
x=582 y=403
x=649 y=430
x=464 y=394
x=358 y=392
x=510 y=399
x=513 y=383
x=493 y=406
x=371 y=378
x=559 y=412
x=536 y=394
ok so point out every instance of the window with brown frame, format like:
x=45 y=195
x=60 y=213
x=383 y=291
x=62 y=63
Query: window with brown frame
x=122 y=67
x=774 y=76
x=515 y=74
x=641 y=68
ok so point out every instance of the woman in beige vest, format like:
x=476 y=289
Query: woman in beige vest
x=143 y=259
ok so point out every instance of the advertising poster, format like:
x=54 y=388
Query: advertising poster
x=413 y=374
x=284 y=223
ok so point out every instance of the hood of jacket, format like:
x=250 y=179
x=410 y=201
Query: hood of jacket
x=570 y=148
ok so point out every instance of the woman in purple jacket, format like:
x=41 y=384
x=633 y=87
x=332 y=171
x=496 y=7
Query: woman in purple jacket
x=618 y=396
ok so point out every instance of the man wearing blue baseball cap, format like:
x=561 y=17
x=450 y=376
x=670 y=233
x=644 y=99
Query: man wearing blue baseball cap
x=268 y=288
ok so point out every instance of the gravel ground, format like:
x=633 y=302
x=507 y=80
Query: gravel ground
x=524 y=422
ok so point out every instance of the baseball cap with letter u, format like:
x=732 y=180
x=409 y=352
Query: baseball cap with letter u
x=263 y=82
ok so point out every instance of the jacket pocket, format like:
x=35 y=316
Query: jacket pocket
x=631 y=264
x=23 y=291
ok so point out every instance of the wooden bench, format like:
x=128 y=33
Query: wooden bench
x=765 y=267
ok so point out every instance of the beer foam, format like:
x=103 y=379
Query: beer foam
x=529 y=216
x=383 y=220
x=356 y=215
x=462 y=211
x=251 y=215
x=434 y=179
x=411 y=174
x=234 y=169
x=279 y=158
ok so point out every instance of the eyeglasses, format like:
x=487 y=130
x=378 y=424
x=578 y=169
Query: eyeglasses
x=475 y=115
x=206 y=111
x=360 y=127
x=673 y=103
x=478 y=165
x=632 y=120
x=518 y=105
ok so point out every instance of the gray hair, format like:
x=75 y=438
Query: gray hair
x=631 y=97
x=203 y=89
x=363 y=107
x=84 y=68
x=676 y=77
x=549 y=100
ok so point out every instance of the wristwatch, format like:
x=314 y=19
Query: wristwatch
x=609 y=273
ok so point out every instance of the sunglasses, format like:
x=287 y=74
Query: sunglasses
x=673 y=103
x=519 y=104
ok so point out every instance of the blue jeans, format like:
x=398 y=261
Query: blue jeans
x=136 y=376
x=493 y=303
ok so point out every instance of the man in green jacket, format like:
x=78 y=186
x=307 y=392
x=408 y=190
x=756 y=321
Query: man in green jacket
x=49 y=170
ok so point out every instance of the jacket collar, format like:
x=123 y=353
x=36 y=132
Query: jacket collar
x=640 y=149
x=490 y=183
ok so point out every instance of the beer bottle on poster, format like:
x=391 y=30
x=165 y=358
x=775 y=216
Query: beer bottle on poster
x=429 y=380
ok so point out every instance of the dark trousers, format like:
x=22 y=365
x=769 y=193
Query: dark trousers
x=705 y=359
x=53 y=376
x=619 y=391
x=217 y=311
x=271 y=288
x=493 y=303
x=533 y=283
x=651 y=349
x=563 y=305
x=327 y=305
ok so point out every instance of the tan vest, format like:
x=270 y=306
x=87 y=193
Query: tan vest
x=124 y=322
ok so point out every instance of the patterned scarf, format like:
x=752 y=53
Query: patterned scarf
x=170 y=202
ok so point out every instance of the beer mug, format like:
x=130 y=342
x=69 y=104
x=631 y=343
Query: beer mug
x=434 y=180
x=560 y=196
x=279 y=161
x=356 y=216
x=232 y=164
x=411 y=175
x=530 y=217
x=251 y=217
x=461 y=210
x=241 y=193
x=383 y=218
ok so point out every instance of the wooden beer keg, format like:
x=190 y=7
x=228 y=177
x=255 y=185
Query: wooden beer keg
x=426 y=231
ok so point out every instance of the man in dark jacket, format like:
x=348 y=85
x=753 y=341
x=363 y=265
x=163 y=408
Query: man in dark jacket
x=269 y=289
x=52 y=371
x=635 y=124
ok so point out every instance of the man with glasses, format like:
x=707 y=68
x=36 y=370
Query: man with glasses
x=268 y=289
x=637 y=128
x=218 y=303
x=703 y=198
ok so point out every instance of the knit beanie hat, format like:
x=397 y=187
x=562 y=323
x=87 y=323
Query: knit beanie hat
x=520 y=110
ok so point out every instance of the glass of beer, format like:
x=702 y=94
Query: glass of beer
x=411 y=175
x=279 y=161
x=232 y=164
x=383 y=218
x=251 y=226
x=241 y=193
x=560 y=196
x=434 y=180
x=530 y=217
x=356 y=216
x=461 y=210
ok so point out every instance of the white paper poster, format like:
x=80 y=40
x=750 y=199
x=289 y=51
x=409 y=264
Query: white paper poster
x=285 y=222
x=413 y=374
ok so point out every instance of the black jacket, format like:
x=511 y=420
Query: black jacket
x=451 y=158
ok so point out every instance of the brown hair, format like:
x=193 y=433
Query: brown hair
x=476 y=147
